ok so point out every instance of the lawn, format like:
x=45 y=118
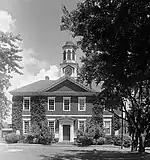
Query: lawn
x=70 y=152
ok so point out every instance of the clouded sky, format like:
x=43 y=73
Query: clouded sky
x=38 y=23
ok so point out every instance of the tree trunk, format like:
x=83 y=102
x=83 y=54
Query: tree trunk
x=141 y=143
x=134 y=142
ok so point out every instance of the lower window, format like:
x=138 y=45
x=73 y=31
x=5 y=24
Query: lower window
x=26 y=126
x=81 y=125
x=52 y=126
x=107 y=127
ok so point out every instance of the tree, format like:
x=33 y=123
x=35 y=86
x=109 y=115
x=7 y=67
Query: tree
x=9 y=62
x=115 y=37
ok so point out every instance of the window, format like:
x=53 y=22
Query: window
x=81 y=103
x=64 y=56
x=66 y=104
x=69 y=55
x=81 y=124
x=52 y=126
x=26 y=103
x=26 y=126
x=107 y=127
x=73 y=55
x=51 y=103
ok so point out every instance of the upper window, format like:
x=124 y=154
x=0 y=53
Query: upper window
x=26 y=103
x=107 y=127
x=51 y=124
x=51 y=103
x=26 y=126
x=81 y=103
x=66 y=104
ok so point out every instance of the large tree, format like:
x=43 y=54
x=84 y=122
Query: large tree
x=115 y=37
x=9 y=62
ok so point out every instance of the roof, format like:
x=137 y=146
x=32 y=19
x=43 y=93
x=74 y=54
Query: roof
x=34 y=87
x=45 y=85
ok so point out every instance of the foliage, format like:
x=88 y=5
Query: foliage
x=9 y=62
x=29 y=138
x=116 y=124
x=40 y=133
x=38 y=108
x=126 y=140
x=12 y=138
x=114 y=35
x=100 y=140
x=93 y=131
x=17 y=123
x=109 y=139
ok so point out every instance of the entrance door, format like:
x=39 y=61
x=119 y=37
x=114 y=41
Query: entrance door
x=66 y=132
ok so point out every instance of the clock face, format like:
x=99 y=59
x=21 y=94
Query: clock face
x=68 y=71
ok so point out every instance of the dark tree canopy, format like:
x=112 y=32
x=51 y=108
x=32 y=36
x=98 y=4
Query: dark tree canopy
x=115 y=37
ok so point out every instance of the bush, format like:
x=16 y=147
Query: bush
x=85 y=140
x=100 y=141
x=12 y=138
x=126 y=140
x=29 y=138
x=55 y=140
x=109 y=139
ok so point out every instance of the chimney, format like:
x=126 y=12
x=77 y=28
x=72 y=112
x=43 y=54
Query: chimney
x=46 y=77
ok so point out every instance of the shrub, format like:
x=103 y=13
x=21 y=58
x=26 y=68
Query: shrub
x=126 y=140
x=12 y=138
x=109 y=139
x=85 y=140
x=55 y=140
x=100 y=141
x=29 y=138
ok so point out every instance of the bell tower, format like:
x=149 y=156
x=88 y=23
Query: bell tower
x=69 y=66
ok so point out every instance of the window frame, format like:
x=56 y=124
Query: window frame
x=83 y=120
x=51 y=120
x=26 y=119
x=53 y=98
x=67 y=98
x=79 y=98
x=107 y=120
x=26 y=98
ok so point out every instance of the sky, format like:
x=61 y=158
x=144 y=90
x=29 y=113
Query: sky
x=38 y=23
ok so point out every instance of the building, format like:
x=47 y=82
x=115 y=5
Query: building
x=68 y=103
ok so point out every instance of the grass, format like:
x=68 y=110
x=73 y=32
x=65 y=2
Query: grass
x=94 y=155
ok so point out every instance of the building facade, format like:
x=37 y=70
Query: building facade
x=68 y=104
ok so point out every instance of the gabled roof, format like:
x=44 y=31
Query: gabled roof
x=45 y=85
x=60 y=80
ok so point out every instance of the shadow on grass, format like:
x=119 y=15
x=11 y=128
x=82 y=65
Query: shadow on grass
x=95 y=155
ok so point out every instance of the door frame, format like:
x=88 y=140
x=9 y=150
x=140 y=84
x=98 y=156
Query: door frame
x=66 y=121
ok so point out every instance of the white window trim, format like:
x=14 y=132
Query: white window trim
x=108 y=120
x=51 y=120
x=26 y=119
x=79 y=103
x=27 y=98
x=84 y=120
x=48 y=103
x=68 y=98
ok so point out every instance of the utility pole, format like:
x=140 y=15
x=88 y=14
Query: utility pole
x=122 y=129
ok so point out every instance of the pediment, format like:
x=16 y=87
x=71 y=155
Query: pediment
x=67 y=84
